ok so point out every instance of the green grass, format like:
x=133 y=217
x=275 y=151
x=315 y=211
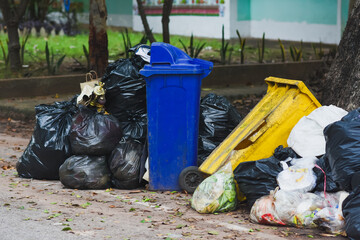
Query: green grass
x=72 y=47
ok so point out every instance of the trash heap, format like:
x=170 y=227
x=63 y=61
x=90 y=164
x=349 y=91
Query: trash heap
x=312 y=183
x=96 y=140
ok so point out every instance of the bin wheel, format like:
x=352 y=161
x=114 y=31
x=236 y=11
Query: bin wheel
x=190 y=178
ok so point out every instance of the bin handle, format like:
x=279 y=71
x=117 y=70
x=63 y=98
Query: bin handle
x=264 y=126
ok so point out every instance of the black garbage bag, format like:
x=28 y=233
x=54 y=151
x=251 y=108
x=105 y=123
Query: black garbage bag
x=343 y=148
x=85 y=172
x=94 y=133
x=49 y=145
x=217 y=119
x=126 y=95
x=135 y=128
x=331 y=186
x=258 y=178
x=126 y=162
x=351 y=212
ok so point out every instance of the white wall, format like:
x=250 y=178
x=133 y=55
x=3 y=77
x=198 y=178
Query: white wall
x=244 y=27
x=116 y=20
x=296 y=31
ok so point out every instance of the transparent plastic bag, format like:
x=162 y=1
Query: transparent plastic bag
x=331 y=217
x=216 y=193
x=263 y=211
x=299 y=177
x=296 y=208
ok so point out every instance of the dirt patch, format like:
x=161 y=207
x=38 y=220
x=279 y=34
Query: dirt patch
x=17 y=128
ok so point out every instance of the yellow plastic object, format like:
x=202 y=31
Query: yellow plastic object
x=266 y=127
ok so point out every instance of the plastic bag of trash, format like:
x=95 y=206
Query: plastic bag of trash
x=126 y=95
x=216 y=193
x=298 y=177
x=85 y=172
x=263 y=211
x=331 y=217
x=94 y=133
x=323 y=174
x=297 y=208
x=125 y=163
x=351 y=212
x=49 y=146
x=343 y=148
x=217 y=119
x=307 y=137
x=258 y=178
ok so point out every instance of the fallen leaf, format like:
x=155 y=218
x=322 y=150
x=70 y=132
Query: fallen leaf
x=180 y=226
x=85 y=205
x=66 y=229
x=135 y=191
x=213 y=233
x=327 y=235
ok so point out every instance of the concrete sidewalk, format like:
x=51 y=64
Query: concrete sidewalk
x=24 y=108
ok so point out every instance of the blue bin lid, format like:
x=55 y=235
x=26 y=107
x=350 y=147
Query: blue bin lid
x=167 y=59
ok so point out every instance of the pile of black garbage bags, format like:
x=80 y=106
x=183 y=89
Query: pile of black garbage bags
x=87 y=149
x=340 y=163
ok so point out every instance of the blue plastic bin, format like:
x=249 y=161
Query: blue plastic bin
x=173 y=85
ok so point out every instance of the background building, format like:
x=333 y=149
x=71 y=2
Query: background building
x=307 y=20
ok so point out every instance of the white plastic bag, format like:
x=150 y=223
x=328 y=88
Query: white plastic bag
x=299 y=177
x=307 y=138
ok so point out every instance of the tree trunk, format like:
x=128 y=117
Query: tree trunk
x=351 y=5
x=142 y=14
x=342 y=83
x=166 y=19
x=98 y=41
x=14 y=46
x=12 y=15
